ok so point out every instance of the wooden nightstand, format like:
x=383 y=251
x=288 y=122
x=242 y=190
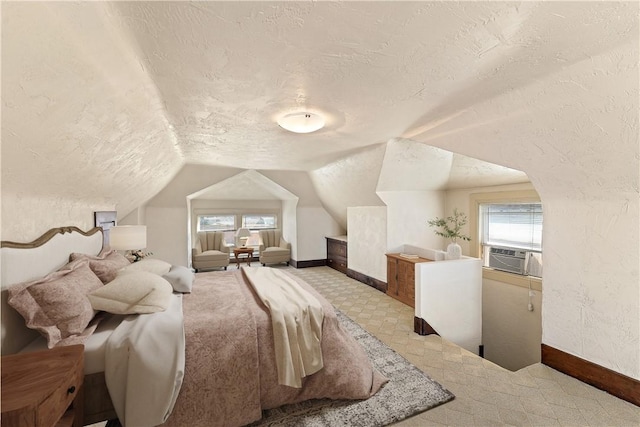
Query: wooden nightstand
x=43 y=388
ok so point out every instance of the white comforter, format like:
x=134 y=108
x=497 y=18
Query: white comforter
x=144 y=365
x=296 y=318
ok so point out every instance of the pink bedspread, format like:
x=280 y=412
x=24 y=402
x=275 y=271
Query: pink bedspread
x=230 y=373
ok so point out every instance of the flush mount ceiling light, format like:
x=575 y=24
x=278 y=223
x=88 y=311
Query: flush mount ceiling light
x=302 y=122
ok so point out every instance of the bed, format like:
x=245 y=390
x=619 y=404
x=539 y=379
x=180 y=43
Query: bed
x=230 y=372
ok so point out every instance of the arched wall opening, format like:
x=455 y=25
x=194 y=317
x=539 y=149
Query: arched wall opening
x=248 y=192
x=418 y=182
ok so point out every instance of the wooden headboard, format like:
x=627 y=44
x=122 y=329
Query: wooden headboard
x=29 y=261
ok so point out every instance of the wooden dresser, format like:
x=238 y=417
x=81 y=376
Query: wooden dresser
x=43 y=388
x=401 y=278
x=337 y=253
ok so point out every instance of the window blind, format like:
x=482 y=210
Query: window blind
x=517 y=225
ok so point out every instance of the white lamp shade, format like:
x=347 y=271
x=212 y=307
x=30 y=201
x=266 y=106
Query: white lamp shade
x=128 y=237
x=243 y=232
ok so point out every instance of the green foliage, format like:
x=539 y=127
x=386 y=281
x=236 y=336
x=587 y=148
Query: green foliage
x=450 y=227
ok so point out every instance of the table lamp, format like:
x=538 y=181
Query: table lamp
x=243 y=235
x=129 y=238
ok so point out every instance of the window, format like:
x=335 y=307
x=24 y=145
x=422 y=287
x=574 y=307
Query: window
x=216 y=222
x=256 y=222
x=514 y=225
x=259 y=222
x=511 y=237
x=230 y=222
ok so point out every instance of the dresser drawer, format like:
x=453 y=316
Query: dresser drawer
x=338 y=263
x=336 y=249
x=57 y=403
x=337 y=254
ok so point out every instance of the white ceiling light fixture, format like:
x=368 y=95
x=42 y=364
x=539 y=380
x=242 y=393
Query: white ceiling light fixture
x=301 y=122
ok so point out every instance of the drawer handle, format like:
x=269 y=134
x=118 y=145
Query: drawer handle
x=71 y=389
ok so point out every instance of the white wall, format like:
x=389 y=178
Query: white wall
x=591 y=299
x=87 y=131
x=407 y=216
x=367 y=240
x=289 y=225
x=511 y=334
x=25 y=217
x=167 y=234
x=314 y=225
x=449 y=298
x=350 y=181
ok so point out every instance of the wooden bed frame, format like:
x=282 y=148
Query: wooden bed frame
x=28 y=261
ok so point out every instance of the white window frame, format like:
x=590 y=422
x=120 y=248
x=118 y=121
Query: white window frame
x=238 y=214
x=246 y=214
x=235 y=220
x=499 y=197
x=254 y=240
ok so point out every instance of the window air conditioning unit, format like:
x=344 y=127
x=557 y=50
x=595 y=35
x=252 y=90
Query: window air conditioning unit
x=507 y=259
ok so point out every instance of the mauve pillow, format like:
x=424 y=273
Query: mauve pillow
x=181 y=278
x=105 y=265
x=56 y=305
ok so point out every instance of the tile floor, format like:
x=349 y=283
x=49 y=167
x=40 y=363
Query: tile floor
x=486 y=394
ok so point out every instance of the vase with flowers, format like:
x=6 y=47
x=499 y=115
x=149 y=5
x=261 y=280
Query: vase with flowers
x=451 y=228
x=137 y=255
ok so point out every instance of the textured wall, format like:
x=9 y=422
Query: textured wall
x=411 y=166
x=367 y=241
x=407 y=216
x=314 y=224
x=81 y=122
x=511 y=334
x=351 y=181
x=591 y=299
x=582 y=156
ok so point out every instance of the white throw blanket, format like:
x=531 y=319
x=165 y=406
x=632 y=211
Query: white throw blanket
x=296 y=317
x=144 y=365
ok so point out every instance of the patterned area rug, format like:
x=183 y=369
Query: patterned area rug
x=408 y=392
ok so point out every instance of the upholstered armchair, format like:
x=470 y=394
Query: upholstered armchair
x=210 y=251
x=273 y=248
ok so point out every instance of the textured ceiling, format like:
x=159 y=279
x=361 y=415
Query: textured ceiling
x=106 y=101
x=227 y=70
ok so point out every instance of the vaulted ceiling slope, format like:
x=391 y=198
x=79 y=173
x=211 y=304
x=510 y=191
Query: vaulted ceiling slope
x=106 y=101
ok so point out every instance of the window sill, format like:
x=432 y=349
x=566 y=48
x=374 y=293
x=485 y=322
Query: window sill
x=512 y=279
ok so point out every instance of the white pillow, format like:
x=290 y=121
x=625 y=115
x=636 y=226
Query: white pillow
x=137 y=292
x=152 y=265
x=181 y=278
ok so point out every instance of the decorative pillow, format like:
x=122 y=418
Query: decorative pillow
x=150 y=265
x=105 y=265
x=57 y=305
x=181 y=278
x=137 y=292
